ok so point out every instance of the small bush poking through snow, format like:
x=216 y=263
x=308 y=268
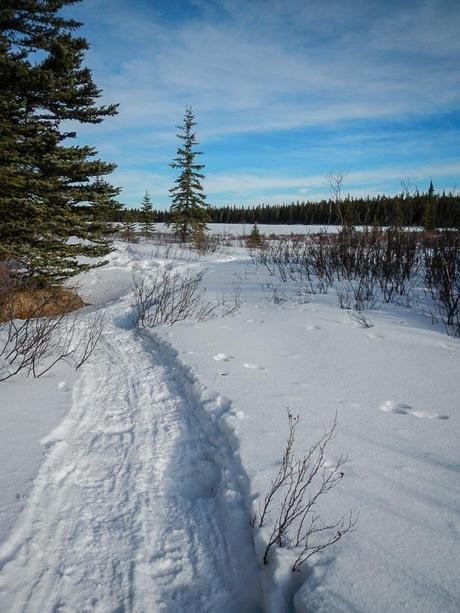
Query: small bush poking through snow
x=359 y=318
x=255 y=238
x=373 y=266
x=174 y=297
x=292 y=498
x=35 y=344
x=442 y=278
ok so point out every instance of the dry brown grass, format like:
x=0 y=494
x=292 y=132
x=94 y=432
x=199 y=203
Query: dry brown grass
x=20 y=300
x=40 y=303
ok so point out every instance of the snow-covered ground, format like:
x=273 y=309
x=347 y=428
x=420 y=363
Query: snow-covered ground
x=130 y=486
x=241 y=229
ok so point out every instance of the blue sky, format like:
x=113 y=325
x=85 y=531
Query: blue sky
x=284 y=91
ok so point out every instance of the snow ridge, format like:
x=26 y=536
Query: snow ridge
x=139 y=505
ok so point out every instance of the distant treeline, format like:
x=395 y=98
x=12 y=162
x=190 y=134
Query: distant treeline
x=428 y=209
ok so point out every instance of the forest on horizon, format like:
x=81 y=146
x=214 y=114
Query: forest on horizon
x=429 y=210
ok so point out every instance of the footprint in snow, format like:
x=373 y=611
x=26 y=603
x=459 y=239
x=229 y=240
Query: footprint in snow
x=400 y=408
x=429 y=415
x=223 y=357
x=377 y=336
x=199 y=480
x=449 y=346
x=391 y=406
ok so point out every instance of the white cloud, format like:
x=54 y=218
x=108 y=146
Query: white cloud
x=266 y=187
x=271 y=65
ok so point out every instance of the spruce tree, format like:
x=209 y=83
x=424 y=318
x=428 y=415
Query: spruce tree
x=147 y=214
x=128 y=231
x=189 y=213
x=429 y=210
x=49 y=190
x=255 y=237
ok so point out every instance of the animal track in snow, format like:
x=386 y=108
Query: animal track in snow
x=450 y=346
x=400 y=408
x=223 y=357
x=301 y=384
x=429 y=415
x=391 y=406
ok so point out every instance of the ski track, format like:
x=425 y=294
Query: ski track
x=138 y=505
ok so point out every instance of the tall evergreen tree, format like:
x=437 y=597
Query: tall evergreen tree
x=48 y=188
x=189 y=212
x=429 y=210
x=147 y=215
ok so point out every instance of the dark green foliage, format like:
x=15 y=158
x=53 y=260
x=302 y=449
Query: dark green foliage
x=128 y=231
x=255 y=238
x=189 y=212
x=398 y=210
x=49 y=190
x=429 y=212
x=147 y=216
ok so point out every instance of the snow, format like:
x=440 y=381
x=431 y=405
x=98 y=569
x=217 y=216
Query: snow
x=244 y=229
x=131 y=486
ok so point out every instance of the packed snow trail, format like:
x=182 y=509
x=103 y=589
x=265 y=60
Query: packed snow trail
x=137 y=506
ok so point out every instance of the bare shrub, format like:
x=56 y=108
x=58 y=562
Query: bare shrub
x=344 y=298
x=442 y=277
x=370 y=266
x=335 y=180
x=363 y=291
x=173 y=297
x=173 y=251
x=276 y=295
x=360 y=319
x=302 y=261
x=207 y=244
x=35 y=344
x=397 y=262
x=294 y=494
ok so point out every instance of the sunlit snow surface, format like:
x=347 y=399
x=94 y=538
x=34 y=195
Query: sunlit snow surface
x=130 y=486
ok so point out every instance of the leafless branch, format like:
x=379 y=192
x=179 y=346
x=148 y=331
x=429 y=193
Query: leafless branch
x=173 y=297
x=35 y=344
x=296 y=488
x=335 y=181
x=359 y=318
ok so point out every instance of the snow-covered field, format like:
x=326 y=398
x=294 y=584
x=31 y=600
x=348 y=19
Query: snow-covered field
x=130 y=485
x=237 y=229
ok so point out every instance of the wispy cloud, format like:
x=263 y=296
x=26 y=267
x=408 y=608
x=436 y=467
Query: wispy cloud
x=251 y=188
x=267 y=68
x=278 y=65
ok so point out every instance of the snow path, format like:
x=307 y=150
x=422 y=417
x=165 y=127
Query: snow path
x=138 y=505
